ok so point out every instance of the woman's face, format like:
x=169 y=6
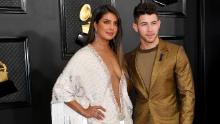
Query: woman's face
x=107 y=27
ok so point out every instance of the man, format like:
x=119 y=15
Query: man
x=160 y=74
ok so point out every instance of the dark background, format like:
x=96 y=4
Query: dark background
x=41 y=25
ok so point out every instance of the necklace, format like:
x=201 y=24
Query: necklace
x=121 y=115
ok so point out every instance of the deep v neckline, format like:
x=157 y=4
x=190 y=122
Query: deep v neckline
x=104 y=65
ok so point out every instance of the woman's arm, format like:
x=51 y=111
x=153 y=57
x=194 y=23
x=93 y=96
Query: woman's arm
x=90 y=112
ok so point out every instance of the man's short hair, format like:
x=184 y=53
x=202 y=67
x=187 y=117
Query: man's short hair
x=144 y=8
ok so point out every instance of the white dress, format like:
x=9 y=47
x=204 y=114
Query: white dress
x=87 y=80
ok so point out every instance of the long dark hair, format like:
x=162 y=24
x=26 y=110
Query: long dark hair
x=115 y=43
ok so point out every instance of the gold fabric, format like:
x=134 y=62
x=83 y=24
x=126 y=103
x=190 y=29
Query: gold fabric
x=3 y=72
x=170 y=98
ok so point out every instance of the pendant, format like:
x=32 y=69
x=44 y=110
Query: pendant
x=121 y=116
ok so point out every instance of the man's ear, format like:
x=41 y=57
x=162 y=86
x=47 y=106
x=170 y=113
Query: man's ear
x=134 y=25
x=159 y=23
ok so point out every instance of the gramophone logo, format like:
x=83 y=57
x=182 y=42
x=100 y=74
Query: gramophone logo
x=85 y=15
x=3 y=72
x=6 y=86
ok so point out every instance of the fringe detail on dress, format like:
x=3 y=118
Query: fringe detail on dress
x=62 y=114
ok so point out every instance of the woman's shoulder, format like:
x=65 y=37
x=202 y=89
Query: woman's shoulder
x=84 y=51
x=82 y=54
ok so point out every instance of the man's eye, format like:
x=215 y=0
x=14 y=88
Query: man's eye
x=143 y=24
x=154 y=23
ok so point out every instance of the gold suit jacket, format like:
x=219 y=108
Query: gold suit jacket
x=170 y=98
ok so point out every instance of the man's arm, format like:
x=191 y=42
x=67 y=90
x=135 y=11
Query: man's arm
x=185 y=86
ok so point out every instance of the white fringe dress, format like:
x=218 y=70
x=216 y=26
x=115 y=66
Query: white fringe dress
x=87 y=80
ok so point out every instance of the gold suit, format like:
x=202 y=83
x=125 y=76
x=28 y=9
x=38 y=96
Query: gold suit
x=170 y=98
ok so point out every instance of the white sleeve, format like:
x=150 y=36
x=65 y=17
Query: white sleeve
x=68 y=85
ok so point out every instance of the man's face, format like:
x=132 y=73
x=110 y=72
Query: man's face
x=148 y=27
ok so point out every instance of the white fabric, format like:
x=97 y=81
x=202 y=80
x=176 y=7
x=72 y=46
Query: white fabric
x=87 y=80
x=62 y=114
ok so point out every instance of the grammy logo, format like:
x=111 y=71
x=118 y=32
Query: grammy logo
x=84 y=15
x=6 y=85
x=3 y=72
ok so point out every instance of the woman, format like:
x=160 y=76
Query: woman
x=93 y=85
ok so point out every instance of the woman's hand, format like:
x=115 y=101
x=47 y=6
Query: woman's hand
x=94 y=112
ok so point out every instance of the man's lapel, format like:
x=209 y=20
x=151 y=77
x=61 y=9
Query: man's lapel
x=161 y=56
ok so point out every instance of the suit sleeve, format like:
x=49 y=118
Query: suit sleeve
x=185 y=87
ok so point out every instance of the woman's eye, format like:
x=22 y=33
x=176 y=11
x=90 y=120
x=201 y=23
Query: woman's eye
x=106 y=22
